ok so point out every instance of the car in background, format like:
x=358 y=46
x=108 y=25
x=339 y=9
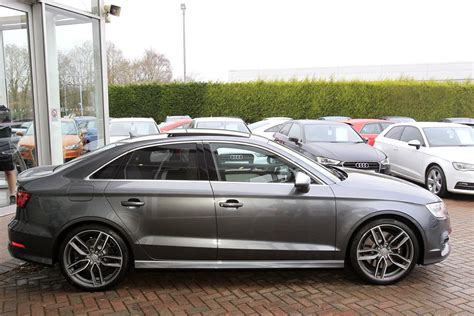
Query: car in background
x=21 y=127
x=438 y=155
x=460 y=120
x=225 y=123
x=268 y=126
x=332 y=144
x=71 y=142
x=172 y=118
x=177 y=124
x=179 y=201
x=398 y=119
x=88 y=129
x=122 y=128
x=368 y=128
x=335 y=118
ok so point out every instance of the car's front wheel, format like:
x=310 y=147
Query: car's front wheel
x=436 y=181
x=384 y=251
x=93 y=257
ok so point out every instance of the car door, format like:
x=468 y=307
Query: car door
x=163 y=196
x=411 y=158
x=389 y=144
x=260 y=214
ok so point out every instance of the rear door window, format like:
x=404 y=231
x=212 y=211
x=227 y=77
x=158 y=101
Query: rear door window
x=285 y=129
x=395 y=133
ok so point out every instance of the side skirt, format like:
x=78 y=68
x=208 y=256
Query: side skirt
x=236 y=264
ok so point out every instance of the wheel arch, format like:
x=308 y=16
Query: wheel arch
x=406 y=219
x=87 y=221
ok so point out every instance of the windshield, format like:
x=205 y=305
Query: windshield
x=329 y=173
x=449 y=136
x=67 y=128
x=137 y=128
x=238 y=126
x=326 y=133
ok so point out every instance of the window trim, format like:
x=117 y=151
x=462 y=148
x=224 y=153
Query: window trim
x=199 y=150
x=315 y=178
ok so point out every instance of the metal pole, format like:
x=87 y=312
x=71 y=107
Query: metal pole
x=183 y=8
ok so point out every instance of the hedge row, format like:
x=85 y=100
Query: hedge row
x=299 y=99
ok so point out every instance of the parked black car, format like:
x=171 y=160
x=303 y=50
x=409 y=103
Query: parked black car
x=332 y=143
x=459 y=120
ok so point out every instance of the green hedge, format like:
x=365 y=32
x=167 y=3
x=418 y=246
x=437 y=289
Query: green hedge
x=307 y=99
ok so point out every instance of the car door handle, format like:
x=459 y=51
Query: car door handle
x=133 y=203
x=231 y=204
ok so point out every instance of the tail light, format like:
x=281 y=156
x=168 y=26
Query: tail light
x=22 y=197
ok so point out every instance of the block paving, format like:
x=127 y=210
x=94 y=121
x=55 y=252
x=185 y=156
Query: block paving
x=441 y=289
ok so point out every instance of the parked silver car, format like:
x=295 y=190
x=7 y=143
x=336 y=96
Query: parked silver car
x=181 y=200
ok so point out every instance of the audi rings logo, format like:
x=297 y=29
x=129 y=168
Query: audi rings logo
x=237 y=157
x=362 y=165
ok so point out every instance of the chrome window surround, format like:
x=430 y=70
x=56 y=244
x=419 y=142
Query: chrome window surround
x=314 y=177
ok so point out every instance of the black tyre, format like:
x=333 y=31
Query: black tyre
x=384 y=251
x=93 y=257
x=435 y=181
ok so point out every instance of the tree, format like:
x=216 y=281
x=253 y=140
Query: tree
x=152 y=67
x=118 y=67
x=18 y=80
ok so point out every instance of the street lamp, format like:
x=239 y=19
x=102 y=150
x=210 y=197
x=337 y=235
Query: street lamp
x=183 y=8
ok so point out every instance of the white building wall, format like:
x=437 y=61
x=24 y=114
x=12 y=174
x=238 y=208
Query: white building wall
x=438 y=72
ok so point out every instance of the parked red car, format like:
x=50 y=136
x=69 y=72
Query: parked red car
x=368 y=128
x=181 y=123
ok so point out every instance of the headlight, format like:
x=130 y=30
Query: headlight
x=385 y=161
x=438 y=210
x=327 y=161
x=461 y=166
x=72 y=147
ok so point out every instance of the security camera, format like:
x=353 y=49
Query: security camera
x=112 y=9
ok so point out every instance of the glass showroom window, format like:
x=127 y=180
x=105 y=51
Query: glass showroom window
x=16 y=96
x=74 y=84
x=84 y=5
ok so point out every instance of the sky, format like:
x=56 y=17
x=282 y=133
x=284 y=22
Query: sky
x=224 y=35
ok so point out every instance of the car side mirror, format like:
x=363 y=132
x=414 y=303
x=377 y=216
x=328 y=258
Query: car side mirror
x=294 y=140
x=19 y=133
x=366 y=140
x=415 y=143
x=302 y=182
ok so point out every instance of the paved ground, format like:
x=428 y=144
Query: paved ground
x=445 y=288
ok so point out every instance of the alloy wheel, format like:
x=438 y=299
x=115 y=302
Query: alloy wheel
x=435 y=181
x=93 y=259
x=385 y=252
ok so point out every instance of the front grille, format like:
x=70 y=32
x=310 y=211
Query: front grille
x=362 y=165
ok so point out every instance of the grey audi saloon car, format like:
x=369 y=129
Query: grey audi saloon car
x=220 y=199
x=332 y=144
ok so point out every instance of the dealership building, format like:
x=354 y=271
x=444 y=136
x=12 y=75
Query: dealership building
x=52 y=74
x=421 y=72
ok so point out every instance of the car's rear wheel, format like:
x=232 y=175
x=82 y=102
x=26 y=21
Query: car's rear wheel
x=93 y=257
x=384 y=251
x=435 y=181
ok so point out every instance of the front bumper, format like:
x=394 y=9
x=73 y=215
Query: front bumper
x=437 y=246
x=460 y=181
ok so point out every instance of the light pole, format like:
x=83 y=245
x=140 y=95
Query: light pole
x=183 y=8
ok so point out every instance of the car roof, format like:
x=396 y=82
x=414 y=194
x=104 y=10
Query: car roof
x=429 y=124
x=280 y=118
x=219 y=119
x=362 y=120
x=318 y=122
x=132 y=119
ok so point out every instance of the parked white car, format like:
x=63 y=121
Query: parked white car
x=120 y=128
x=268 y=126
x=438 y=155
